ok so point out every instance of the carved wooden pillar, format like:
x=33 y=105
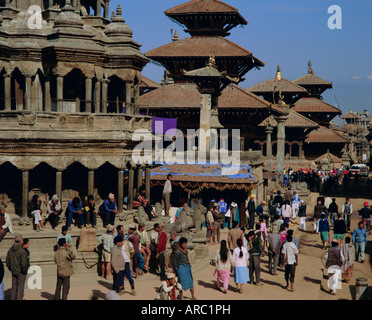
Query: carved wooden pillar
x=7 y=92
x=88 y=94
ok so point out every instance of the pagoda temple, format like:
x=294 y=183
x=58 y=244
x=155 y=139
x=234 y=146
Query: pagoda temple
x=314 y=135
x=209 y=23
x=272 y=88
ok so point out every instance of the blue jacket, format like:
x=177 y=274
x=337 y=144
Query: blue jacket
x=72 y=208
x=259 y=210
x=360 y=235
x=222 y=207
x=323 y=225
x=107 y=206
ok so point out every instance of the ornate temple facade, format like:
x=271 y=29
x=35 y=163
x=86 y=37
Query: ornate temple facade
x=314 y=135
x=70 y=81
x=209 y=23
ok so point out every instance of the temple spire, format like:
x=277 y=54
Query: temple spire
x=278 y=73
x=310 y=68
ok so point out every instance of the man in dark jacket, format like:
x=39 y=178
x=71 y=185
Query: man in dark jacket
x=366 y=214
x=251 y=207
x=318 y=210
x=255 y=256
x=18 y=263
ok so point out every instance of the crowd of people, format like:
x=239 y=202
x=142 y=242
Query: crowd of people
x=321 y=181
x=267 y=230
x=274 y=231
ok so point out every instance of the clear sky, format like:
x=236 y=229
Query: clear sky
x=286 y=32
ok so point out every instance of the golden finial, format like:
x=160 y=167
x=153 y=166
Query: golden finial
x=175 y=36
x=278 y=73
x=211 y=62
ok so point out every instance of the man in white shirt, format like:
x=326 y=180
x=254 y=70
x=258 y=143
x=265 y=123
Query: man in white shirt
x=5 y=223
x=327 y=201
x=290 y=258
x=166 y=194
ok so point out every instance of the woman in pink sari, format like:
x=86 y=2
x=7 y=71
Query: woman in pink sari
x=224 y=265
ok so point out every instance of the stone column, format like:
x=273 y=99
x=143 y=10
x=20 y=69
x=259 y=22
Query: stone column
x=120 y=191
x=106 y=10
x=281 y=145
x=28 y=91
x=59 y=184
x=139 y=177
x=269 y=147
x=147 y=181
x=91 y=182
x=47 y=96
x=97 y=97
x=50 y=5
x=128 y=98
x=98 y=8
x=242 y=140
x=205 y=122
x=301 y=153
x=7 y=92
x=105 y=83
x=135 y=109
x=130 y=188
x=290 y=151
x=25 y=185
x=59 y=93
x=88 y=94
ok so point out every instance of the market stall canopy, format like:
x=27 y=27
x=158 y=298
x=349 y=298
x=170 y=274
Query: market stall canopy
x=193 y=178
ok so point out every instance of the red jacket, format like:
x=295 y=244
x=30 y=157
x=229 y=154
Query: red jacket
x=162 y=242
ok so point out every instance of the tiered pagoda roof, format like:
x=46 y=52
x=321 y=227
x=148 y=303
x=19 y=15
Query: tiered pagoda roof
x=295 y=120
x=187 y=96
x=315 y=85
x=350 y=115
x=311 y=105
x=208 y=22
x=196 y=16
x=326 y=135
x=278 y=84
